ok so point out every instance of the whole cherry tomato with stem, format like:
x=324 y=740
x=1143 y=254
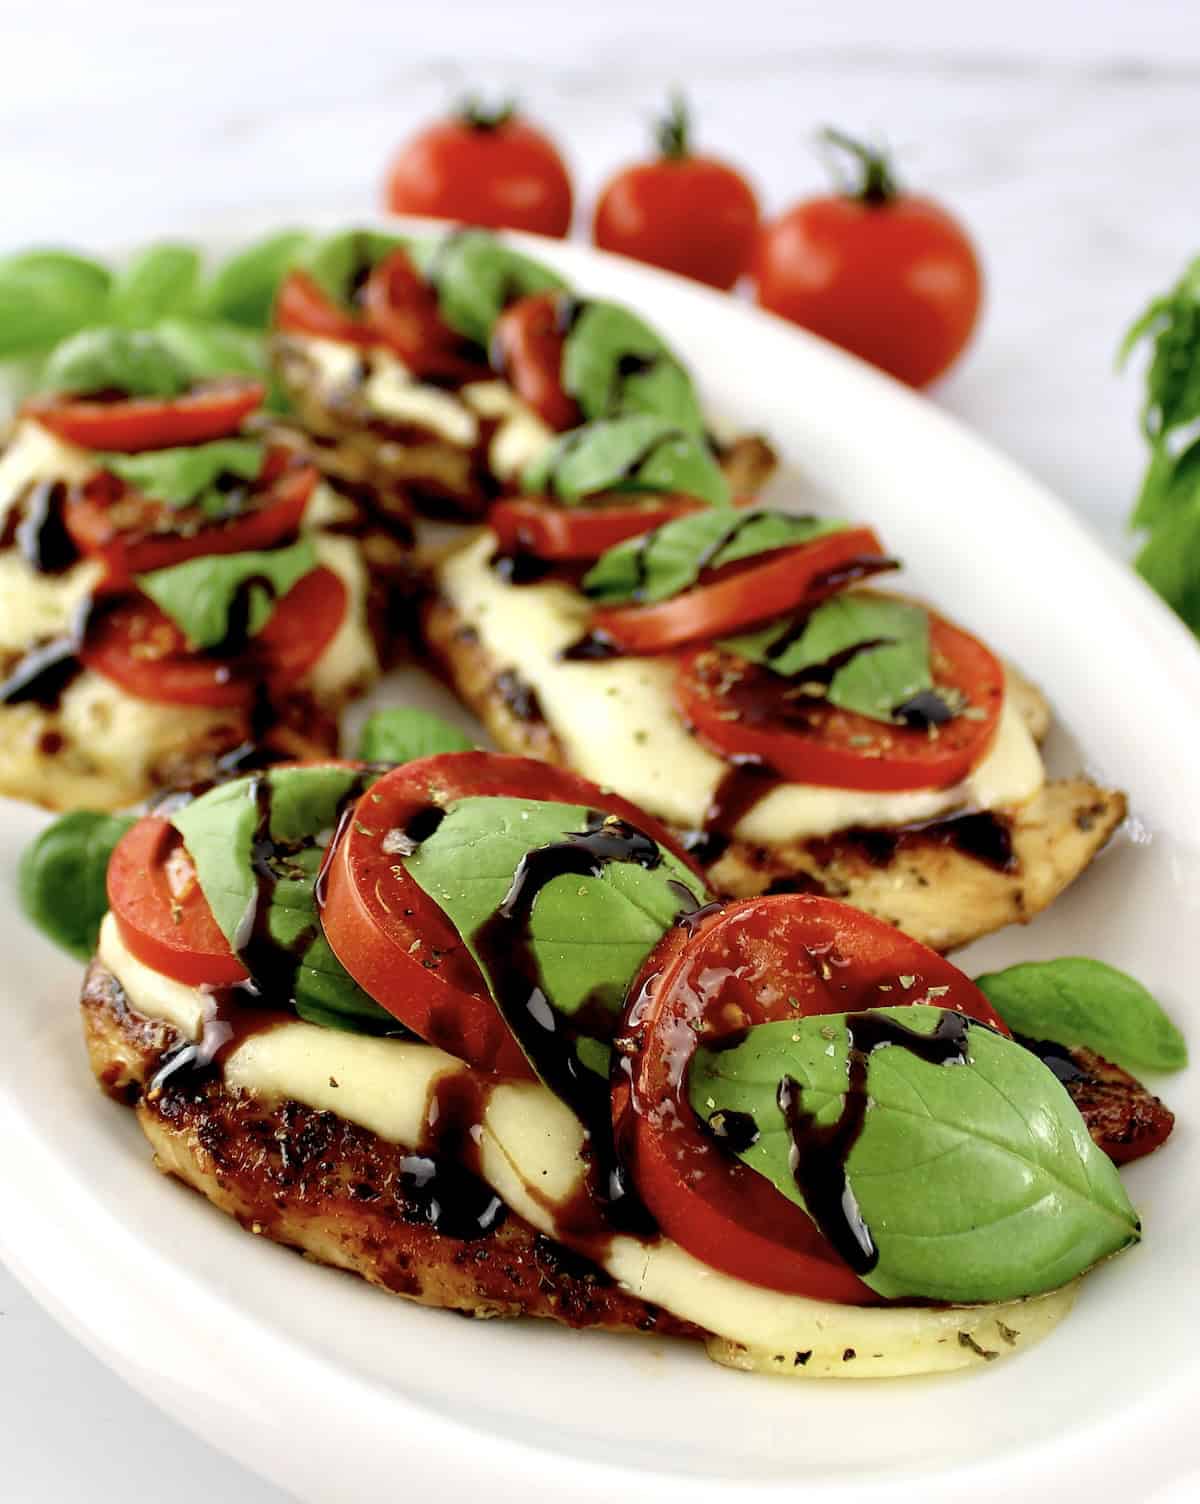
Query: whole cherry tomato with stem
x=885 y=274
x=689 y=213
x=483 y=166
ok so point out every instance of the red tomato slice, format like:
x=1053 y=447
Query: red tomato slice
x=131 y=424
x=138 y=647
x=551 y=532
x=755 y=961
x=395 y=941
x=401 y=310
x=527 y=349
x=161 y=912
x=133 y=535
x=302 y=307
x=745 y=593
x=742 y=710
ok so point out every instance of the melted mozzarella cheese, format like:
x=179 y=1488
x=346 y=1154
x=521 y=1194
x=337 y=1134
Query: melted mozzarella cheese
x=531 y=1153
x=349 y=665
x=36 y=607
x=520 y=435
x=617 y=723
x=32 y=454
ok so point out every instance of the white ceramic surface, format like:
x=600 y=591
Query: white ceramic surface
x=334 y=1391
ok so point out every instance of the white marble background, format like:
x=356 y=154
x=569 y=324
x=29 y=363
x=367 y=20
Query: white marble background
x=1064 y=132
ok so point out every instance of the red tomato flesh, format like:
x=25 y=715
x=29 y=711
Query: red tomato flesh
x=133 y=424
x=527 y=349
x=527 y=525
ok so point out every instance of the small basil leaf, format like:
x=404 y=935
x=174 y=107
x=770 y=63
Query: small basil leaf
x=613 y=363
x=1170 y=562
x=159 y=280
x=640 y=452
x=1172 y=323
x=243 y=288
x=47 y=295
x=405 y=733
x=180 y=477
x=978 y=1180
x=134 y=361
x=662 y=563
x=199 y=594
x=62 y=878
x=476 y=277
x=338 y=263
x=1078 y=1001
x=209 y=349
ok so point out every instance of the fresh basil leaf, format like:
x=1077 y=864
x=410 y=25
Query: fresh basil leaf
x=640 y=452
x=589 y=935
x=134 y=361
x=476 y=277
x=158 y=281
x=977 y=1180
x=243 y=288
x=1170 y=562
x=46 y=295
x=1172 y=323
x=199 y=594
x=339 y=262
x=660 y=564
x=614 y=363
x=405 y=733
x=182 y=477
x=208 y=349
x=1079 y=1001
x=62 y=877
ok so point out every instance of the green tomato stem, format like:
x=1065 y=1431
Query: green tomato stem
x=481 y=117
x=876 y=183
x=673 y=131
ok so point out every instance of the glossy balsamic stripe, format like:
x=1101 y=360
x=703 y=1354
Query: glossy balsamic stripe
x=41 y=535
x=443 y=1181
x=43 y=674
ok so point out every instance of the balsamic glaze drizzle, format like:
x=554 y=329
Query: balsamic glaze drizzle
x=41 y=535
x=442 y=1181
x=43 y=673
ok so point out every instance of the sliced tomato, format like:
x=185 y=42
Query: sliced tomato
x=526 y=525
x=137 y=646
x=395 y=941
x=134 y=535
x=302 y=307
x=160 y=911
x=750 y=962
x=132 y=424
x=744 y=593
x=744 y=711
x=527 y=349
x=401 y=309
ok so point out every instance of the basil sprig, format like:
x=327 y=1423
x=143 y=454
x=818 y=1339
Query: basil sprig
x=242 y=289
x=638 y=452
x=133 y=361
x=1079 y=1001
x=160 y=280
x=476 y=276
x=613 y=363
x=199 y=594
x=46 y=295
x=977 y=1180
x=404 y=733
x=61 y=880
x=188 y=476
x=671 y=558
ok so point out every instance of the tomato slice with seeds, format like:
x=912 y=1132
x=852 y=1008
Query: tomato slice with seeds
x=745 y=593
x=395 y=941
x=303 y=307
x=132 y=424
x=401 y=310
x=749 y=962
x=140 y=648
x=742 y=710
x=527 y=349
x=526 y=525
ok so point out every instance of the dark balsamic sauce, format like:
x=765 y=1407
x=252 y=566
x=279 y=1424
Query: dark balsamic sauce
x=1056 y=1057
x=521 y=568
x=593 y=647
x=737 y=1131
x=233 y=1016
x=443 y=1181
x=982 y=835
x=43 y=674
x=519 y=696
x=746 y=782
x=41 y=536
x=819 y=1152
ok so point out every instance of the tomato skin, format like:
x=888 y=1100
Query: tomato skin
x=749 y=962
x=745 y=593
x=401 y=309
x=896 y=282
x=837 y=748
x=383 y=927
x=133 y=424
x=502 y=175
x=302 y=307
x=160 y=911
x=528 y=525
x=527 y=349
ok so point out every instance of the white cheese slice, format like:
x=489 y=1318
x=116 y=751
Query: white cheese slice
x=617 y=722
x=521 y=434
x=33 y=453
x=391 y=391
x=37 y=607
x=349 y=665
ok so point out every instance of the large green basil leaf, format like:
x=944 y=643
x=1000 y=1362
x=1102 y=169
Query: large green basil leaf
x=157 y=281
x=338 y=262
x=662 y=563
x=405 y=733
x=614 y=363
x=978 y=1181
x=47 y=295
x=305 y=803
x=182 y=477
x=1079 y=1001
x=1170 y=561
x=477 y=276
x=198 y=595
x=134 y=361
x=61 y=881
x=640 y=452
x=243 y=287
x=589 y=935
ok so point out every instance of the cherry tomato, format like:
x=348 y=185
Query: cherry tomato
x=161 y=913
x=481 y=167
x=402 y=309
x=691 y=214
x=755 y=961
x=395 y=941
x=527 y=525
x=303 y=307
x=137 y=646
x=742 y=710
x=134 y=535
x=886 y=275
x=131 y=424
x=527 y=349
x=741 y=594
